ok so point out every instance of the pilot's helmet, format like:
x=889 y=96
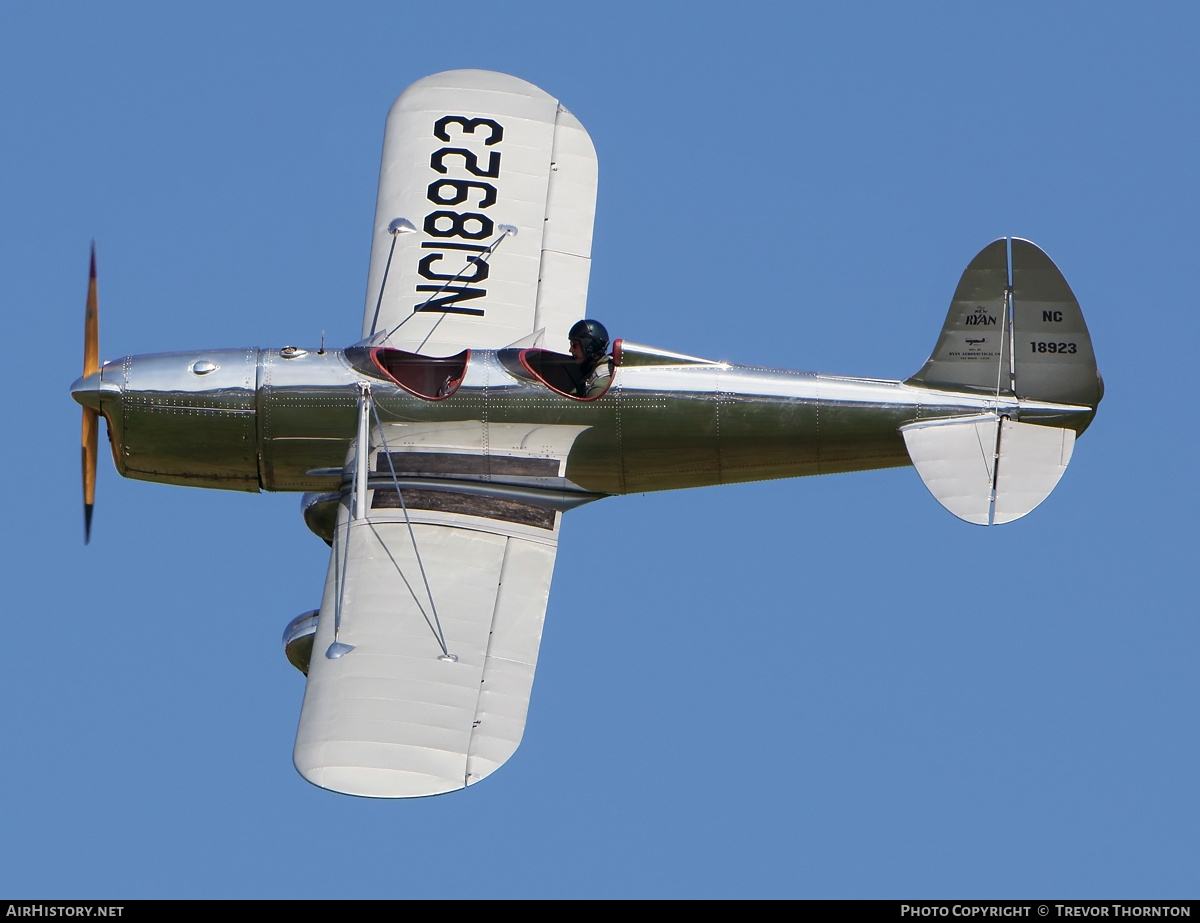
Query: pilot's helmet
x=592 y=337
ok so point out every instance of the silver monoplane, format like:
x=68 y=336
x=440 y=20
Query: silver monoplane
x=439 y=453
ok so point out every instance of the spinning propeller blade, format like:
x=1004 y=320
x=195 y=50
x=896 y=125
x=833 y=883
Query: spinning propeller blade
x=91 y=418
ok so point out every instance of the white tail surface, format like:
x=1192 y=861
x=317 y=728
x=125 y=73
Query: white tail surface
x=1032 y=459
x=987 y=469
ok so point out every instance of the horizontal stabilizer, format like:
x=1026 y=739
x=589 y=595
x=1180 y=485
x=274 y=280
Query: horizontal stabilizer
x=987 y=469
x=1032 y=459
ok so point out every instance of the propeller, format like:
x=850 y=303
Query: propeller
x=91 y=417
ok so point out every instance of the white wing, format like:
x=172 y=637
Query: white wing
x=390 y=719
x=465 y=153
x=395 y=717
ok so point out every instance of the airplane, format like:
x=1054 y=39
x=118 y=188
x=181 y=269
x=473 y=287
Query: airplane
x=438 y=454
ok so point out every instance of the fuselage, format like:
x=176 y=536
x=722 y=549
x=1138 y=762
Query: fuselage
x=285 y=419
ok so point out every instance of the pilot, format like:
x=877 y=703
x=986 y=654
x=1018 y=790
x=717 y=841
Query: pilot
x=589 y=349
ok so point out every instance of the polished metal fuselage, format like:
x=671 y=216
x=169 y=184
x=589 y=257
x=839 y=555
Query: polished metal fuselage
x=285 y=420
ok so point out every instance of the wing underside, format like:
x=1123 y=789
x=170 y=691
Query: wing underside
x=433 y=695
x=433 y=605
x=496 y=185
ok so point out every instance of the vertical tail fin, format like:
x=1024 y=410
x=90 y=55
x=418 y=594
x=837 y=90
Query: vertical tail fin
x=1014 y=328
x=972 y=353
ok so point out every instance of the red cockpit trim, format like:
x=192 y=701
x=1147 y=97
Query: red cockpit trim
x=379 y=356
x=532 y=351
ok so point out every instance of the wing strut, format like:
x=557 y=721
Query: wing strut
x=367 y=409
x=436 y=627
x=362 y=451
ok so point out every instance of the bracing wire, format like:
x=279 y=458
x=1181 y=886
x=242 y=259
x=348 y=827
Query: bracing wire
x=383 y=285
x=471 y=261
x=437 y=624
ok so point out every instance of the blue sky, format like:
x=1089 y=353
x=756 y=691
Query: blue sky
x=813 y=688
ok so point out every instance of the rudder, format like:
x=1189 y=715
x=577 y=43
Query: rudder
x=1054 y=359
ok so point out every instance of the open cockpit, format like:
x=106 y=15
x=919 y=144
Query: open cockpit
x=431 y=377
x=435 y=378
x=559 y=372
